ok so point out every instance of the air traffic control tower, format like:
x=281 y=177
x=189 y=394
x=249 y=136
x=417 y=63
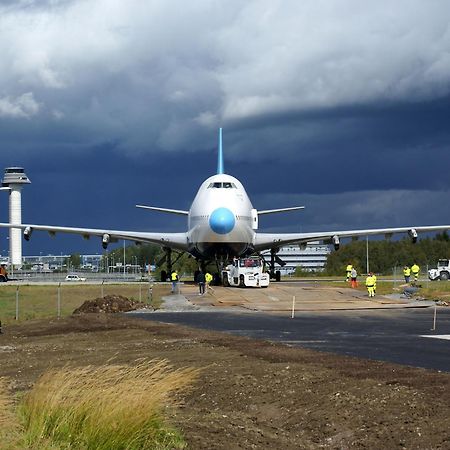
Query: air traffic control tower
x=14 y=180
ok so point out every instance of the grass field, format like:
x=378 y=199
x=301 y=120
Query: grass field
x=41 y=301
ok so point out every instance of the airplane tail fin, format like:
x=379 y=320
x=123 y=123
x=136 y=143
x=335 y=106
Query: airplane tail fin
x=220 y=169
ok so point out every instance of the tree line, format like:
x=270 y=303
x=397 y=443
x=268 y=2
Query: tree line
x=385 y=255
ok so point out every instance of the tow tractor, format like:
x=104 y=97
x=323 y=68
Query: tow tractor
x=246 y=272
x=442 y=272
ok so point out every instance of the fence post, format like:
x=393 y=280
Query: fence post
x=140 y=292
x=58 y=303
x=150 y=293
x=103 y=293
x=17 y=303
x=434 y=318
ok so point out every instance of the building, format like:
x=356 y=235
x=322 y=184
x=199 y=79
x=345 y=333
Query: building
x=311 y=258
x=57 y=262
x=13 y=181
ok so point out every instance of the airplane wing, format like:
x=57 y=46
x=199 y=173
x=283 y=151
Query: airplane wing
x=264 y=241
x=173 y=240
x=167 y=210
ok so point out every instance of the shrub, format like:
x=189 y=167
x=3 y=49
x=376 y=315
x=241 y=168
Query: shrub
x=108 y=407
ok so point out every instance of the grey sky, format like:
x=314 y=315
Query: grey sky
x=356 y=91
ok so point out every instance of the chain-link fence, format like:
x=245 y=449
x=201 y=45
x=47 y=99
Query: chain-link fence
x=30 y=301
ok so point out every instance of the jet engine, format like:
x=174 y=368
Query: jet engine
x=27 y=233
x=106 y=238
x=413 y=235
x=336 y=242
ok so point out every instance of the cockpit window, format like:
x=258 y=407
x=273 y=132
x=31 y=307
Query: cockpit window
x=225 y=185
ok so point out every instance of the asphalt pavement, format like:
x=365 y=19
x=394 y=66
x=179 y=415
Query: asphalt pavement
x=402 y=336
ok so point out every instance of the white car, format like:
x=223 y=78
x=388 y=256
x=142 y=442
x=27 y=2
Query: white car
x=74 y=278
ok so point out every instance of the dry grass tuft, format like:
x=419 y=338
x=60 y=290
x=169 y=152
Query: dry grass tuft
x=106 y=407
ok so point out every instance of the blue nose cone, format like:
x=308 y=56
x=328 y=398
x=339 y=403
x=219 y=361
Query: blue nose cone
x=222 y=221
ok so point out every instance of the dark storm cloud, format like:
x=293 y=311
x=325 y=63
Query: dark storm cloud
x=321 y=102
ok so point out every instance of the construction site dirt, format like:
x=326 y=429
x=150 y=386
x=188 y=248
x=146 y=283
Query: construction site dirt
x=251 y=393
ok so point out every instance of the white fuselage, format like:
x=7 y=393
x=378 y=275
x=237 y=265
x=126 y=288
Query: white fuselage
x=220 y=219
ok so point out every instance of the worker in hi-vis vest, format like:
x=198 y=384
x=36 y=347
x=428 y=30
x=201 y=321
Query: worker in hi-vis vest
x=370 y=285
x=415 y=269
x=174 y=279
x=406 y=273
x=208 y=279
x=349 y=271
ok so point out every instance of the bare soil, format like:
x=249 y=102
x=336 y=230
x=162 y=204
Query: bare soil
x=110 y=304
x=251 y=394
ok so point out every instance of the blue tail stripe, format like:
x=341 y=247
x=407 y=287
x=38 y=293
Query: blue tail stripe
x=220 y=156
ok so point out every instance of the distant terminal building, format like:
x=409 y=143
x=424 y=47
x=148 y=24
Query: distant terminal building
x=311 y=258
x=58 y=262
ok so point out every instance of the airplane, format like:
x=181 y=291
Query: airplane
x=222 y=224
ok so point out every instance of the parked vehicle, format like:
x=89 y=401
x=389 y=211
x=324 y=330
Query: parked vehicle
x=246 y=272
x=442 y=272
x=74 y=278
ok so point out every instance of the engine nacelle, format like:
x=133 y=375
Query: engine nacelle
x=106 y=238
x=27 y=233
x=413 y=235
x=336 y=242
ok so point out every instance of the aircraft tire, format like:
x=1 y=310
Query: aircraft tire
x=241 y=281
x=225 y=280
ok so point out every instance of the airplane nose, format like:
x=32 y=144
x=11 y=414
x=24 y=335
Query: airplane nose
x=221 y=221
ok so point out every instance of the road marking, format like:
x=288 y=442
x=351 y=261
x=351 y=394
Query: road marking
x=437 y=336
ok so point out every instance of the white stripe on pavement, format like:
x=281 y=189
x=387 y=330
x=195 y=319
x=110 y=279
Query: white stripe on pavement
x=437 y=336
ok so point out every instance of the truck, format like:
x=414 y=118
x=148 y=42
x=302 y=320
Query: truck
x=246 y=272
x=442 y=272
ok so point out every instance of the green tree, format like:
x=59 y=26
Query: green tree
x=75 y=260
x=385 y=255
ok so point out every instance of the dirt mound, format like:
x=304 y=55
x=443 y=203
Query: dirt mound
x=110 y=304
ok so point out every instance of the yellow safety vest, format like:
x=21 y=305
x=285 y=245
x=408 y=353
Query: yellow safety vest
x=370 y=281
x=415 y=268
x=407 y=271
x=174 y=276
x=208 y=277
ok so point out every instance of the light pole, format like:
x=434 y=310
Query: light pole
x=124 y=260
x=367 y=253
